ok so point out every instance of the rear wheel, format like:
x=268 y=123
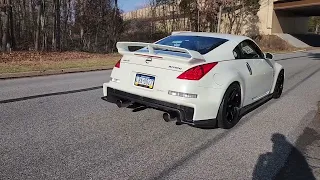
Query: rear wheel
x=228 y=114
x=279 y=86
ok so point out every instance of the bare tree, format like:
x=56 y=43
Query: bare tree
x=8 y=37
x=238 y=11
x=89 y=25
x=40 y=24
x=11 y=24
x=56 y=40
x=314 y=24
x=190 y=9
x=5 y=25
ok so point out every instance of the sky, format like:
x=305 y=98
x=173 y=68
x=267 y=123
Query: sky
x=130 y=5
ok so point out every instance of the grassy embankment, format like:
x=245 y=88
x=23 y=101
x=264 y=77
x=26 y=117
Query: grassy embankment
x=30 y=61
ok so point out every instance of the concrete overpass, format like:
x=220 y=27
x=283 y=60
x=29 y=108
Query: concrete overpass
x=299 y=7
x=290 y=17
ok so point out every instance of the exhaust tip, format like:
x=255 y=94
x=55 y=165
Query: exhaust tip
x=123 y=103
x=169 y=117
x=119 y=103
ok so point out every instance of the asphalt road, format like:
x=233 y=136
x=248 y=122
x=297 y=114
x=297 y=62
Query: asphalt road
x=57 y=127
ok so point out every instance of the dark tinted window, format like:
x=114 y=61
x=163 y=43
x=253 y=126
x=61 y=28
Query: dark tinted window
x=196 y=43
x=256 y=48
x=247 y=50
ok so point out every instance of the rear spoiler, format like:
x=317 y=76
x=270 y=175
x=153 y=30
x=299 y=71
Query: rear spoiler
x=123 y=48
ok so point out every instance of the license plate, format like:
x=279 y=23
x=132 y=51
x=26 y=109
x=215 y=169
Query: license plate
x=144 y=81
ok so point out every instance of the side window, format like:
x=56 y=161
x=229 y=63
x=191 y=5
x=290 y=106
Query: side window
x=256 y=48
x=249 y=50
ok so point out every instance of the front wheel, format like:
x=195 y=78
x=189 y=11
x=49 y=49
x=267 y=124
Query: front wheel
x=228 y=114
x=279 y=86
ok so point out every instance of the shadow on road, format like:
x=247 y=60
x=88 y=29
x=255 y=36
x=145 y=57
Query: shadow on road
x=310 y=39
x=49 y=94
x=296 y=166
x=314 y=56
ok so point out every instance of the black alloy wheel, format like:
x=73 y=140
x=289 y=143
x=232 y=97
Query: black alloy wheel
x=279 y=86
x=229 y=111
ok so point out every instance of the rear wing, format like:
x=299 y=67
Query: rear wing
x=123 y=48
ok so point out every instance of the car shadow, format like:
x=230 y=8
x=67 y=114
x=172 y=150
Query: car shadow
x=136 y=107
x=204 y=127
x=295 y=167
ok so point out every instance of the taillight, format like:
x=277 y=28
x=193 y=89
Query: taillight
x=118 y=64
x=197 y=72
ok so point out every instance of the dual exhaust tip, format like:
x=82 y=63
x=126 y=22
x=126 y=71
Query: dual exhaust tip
x=168 y=116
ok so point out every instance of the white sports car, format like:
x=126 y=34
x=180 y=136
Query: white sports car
x=195 y=78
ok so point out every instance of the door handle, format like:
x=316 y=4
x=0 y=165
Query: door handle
x=249 y=68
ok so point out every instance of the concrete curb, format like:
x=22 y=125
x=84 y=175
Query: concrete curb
x=50 y=72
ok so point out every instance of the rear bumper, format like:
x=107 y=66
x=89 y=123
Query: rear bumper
x=185 y=114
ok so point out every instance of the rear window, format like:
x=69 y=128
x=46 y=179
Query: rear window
x=196 y=43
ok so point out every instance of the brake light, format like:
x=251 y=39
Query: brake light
x=118 y=64
x=197 y=72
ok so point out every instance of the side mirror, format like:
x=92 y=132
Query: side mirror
x=268 y=56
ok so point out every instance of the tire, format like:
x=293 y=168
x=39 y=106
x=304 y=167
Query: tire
x=279 y=86
x=229 y=110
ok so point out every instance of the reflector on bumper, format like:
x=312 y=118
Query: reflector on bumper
x=115 y=80
x=181 y=94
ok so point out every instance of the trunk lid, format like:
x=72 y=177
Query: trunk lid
x=155 y=67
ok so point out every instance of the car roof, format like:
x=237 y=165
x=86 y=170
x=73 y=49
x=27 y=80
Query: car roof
x=229 y=37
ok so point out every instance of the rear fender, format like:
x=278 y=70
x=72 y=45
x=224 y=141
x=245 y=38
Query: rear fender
x=228 y=79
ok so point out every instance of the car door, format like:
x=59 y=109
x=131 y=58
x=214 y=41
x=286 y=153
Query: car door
x=260 y=71
x=242 y=66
